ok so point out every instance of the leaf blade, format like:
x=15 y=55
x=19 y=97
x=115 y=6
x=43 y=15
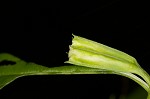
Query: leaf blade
x=9 y=73
x=5 y=80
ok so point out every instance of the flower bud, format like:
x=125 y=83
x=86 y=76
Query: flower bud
x=84 y=43
x=84 y=52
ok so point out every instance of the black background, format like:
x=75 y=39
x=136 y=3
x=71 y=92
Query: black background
x=41 y=32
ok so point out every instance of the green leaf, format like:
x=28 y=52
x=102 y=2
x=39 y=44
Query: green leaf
x=9 y=73
x=4 y=80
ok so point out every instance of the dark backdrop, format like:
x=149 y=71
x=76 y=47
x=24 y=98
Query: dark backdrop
x=40 y=32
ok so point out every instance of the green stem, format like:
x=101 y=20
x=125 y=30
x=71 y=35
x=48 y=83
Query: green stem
x=138 y=80
x=135 y=78
x=146 y=77
x=143 y=74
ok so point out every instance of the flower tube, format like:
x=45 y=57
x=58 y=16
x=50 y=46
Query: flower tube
x=84 y=52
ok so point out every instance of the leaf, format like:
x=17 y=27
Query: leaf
x=9 y=73
x=4 y=80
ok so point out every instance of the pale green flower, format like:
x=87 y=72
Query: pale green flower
x=84 y=52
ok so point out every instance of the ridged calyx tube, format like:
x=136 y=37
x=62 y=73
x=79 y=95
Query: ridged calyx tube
x=84 y=52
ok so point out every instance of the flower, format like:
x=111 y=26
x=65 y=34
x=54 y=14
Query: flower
x=84 y=52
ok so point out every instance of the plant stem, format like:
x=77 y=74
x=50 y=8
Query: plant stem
x=143 y=74
x=146 y=77
x=135 y=78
